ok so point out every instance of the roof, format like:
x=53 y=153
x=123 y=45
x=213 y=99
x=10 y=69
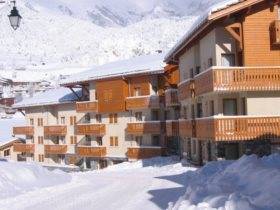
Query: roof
x=211 y=14
x=148 y=64
x=50 y=97
x=10 y=143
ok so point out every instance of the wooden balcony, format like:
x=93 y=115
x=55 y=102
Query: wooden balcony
x=186 y=128
x=171 y=97
x=91 y=129
x=24 y=130
x=87 y=106
x=148 y=127
x=144 y=152
x=172 y=128
x=185 y=90
x=55 y=149
x=55 y=130
x=26 y=148
x=142 y=102
x=238 y=128
x=84 y=151
x=224 y=79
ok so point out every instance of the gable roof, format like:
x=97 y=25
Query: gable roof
x=60 y=95
x=213 y=13
x=148 y=64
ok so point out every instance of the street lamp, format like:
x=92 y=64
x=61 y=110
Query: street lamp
x=14 y=17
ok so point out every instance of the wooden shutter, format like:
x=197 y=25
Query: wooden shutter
x=116 y=141
x=75 y=139
x=111 y=118
x=71 y=120
x=115 y=118
x=74 y=120
x=111 y=141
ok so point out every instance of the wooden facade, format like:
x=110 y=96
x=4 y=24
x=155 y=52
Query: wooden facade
x=91 y=129
x=55 y=149
x=185 y=128
x=87 y=106
x=55 y=130
x=144 y=153
x=141 y=84
x=26 y=148
x=153 y=127
x=143 y=102
x=185 y=90
x=172 y=128
x=24 y=130
x=83 y=151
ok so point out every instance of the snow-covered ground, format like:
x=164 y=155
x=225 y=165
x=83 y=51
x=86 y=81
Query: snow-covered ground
x=158 y=183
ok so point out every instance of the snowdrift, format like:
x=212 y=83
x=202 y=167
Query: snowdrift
x=249 y=183
x=16 y=178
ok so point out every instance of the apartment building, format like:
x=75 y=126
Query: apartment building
x=229 y=89
x=109 y=114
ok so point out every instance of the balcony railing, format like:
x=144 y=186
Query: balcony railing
x=238 y=128
x=149 y=127
x=56 y=130
x=172 y=128
x=55 y=149
x=223 y=79
x=27 y=148
x=88 y=106
x=186 y=128
x=24 y=130
x=91 y=129
x=142 y=102
x=144 y=152
x=171 y=97
x=91 y=151
x=185 y=90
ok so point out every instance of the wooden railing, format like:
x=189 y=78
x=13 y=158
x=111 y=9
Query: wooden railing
x=91 y=129
x=172 y=128
x=88 y=106
x=142 y=102
x=27 y=148
x=55 y=130
x=149 y=127
x=24 y=130
x=91 y=151
x=186 y=128
x=55 y=149
x=238 y=79
x=238 y=128
x=185 y=90
x=143 y=153
x=171 y=97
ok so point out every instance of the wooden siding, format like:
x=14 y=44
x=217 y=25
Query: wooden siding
x=55 y=130
x=27 y=148
x=88 y=106
x=142 y=102
x=172 y=74
x=171 y=97
x=185 y=128
x=185 y=90
x=172 y=128
x=144 y=128
x=55 y=149
x=111 y=95
x=91 y=151
x=91 y=129
x=141 y=82
x=24 y=130
x=258 y=49
x=144 y=153
x=238 y=79
x=238 y=128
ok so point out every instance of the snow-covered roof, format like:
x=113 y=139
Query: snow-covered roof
x=147 y=64
x=199 y=22
x=50 y=97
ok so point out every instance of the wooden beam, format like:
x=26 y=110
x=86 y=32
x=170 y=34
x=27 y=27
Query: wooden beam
x=237 y=36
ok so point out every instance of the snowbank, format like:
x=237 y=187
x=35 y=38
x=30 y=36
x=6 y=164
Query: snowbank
x=249 y=183
x=17 y=178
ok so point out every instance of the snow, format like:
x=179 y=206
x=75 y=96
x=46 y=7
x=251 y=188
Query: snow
x=50 y=97
x=158 y=183
x=137 y=65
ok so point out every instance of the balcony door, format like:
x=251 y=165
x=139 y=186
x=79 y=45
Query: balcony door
x=230 y=107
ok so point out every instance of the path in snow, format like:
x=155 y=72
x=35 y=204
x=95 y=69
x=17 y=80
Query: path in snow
x=140 y=188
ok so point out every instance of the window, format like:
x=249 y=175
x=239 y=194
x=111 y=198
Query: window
x=98 y=118
x=87 y=118
x=228 y=59
x=199 y=110
x=139 y=140
x=243 y=105
x=73 y=139
x=41 y=158
x=73 y=120
x=32 y=139
x=194 y=147
x=40 y=140
x=197 y=70
x=31 y=121
x=212 y=110
x=210 y=62
x=88 y=138
x=138 y=116
x=40 y=121
x=137 y=91
x=6 y=152
x=62 y=120
x=113 y=118
x=230 y=107
x=156 y=140
x=114 y=141
x=99 y=141
x=185 y=112
x=155 y=115
x=191 y=73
